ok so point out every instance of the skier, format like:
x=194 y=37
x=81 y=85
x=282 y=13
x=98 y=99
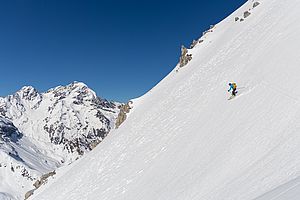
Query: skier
x=233 y=88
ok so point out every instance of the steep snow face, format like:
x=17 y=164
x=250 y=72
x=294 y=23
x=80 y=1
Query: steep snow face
x=185 y=140
x=40 y=132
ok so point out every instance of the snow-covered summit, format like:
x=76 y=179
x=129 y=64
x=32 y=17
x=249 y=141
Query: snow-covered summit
x=27 y=93
x=73 y=87
x=186 y=141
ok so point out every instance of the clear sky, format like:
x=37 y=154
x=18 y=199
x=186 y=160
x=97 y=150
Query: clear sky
x=119 y=48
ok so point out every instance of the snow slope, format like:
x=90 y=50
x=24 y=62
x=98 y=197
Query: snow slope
x=185 y=140
x=289 y=190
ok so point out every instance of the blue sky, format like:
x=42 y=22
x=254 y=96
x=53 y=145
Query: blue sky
x=120 y=49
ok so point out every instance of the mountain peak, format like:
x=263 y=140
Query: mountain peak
x=78 y=84
x=72 y=86
x=75 y=89
x=27 y=88
x=27 y=92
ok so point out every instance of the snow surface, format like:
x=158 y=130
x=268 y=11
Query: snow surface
x=290 y=191
x=185 y=140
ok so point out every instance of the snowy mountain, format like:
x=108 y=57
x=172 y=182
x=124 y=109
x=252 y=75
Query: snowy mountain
x=184 y=140
x=43 y=131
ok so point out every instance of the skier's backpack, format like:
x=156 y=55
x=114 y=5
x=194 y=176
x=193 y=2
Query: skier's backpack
x=234 y=85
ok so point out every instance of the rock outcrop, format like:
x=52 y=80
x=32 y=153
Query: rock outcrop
x=185 y=57
x=255 y=4
x=193 y=44
x=38 y=183
x=246 y=14
x=29 y=194
x=124 y=110
x=8 y=132
x=43 y=179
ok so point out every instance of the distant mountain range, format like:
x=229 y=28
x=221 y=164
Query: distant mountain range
x=40 y=132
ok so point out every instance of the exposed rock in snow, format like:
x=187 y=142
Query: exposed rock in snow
x=193 y=44
x=124 y=110
x=29 y=194
x=255 y=4
x=8 y=132
x=43 y=179
x=246 y=14
x=39 y=182
x=185 y=57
